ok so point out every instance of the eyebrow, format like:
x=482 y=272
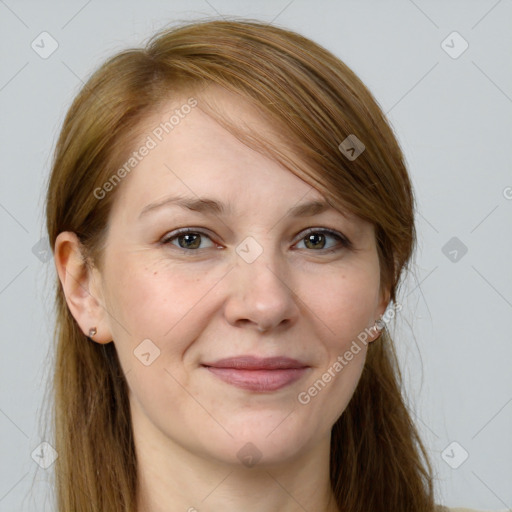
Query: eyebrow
x=211 y=206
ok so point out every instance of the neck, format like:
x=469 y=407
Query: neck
x=176 y=479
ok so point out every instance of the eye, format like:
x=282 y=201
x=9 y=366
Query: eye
x=187 y=238
x=316 y=238
x=190 y=240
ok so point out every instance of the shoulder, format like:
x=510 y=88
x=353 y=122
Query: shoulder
x=440 y=508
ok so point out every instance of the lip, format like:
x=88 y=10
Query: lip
x=257 y=363
x=258 y=374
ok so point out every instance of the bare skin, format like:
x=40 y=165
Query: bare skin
x=203 y=301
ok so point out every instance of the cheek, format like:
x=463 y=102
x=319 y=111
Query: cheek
x=344 y=307
x=154 y=301
x=158 y=301
x=344 y=303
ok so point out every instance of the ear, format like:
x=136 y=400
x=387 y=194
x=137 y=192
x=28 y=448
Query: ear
x=82 y=287
x=384 y=299
x=383 y=302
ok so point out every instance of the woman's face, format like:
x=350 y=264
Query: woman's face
x=251 y=280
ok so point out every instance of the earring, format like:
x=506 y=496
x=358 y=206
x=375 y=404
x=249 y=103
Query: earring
x=92 y=332
x=378 y=326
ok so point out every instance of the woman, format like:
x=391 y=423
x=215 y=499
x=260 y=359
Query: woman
x=231 y=216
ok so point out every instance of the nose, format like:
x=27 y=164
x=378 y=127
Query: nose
x=261 y=295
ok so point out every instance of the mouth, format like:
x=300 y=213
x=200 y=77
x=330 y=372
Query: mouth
x=257 y=374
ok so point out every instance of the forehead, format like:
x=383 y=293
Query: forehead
x=192 y=154
x=186 y=139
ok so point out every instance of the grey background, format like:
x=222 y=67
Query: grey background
x=453 y=119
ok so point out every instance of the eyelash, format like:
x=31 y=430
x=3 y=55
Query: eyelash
x=344 y=242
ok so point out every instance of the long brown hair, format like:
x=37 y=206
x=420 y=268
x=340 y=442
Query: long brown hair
x=378 y=461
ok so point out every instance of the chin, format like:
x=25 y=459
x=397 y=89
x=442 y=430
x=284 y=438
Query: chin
x=262 y=443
